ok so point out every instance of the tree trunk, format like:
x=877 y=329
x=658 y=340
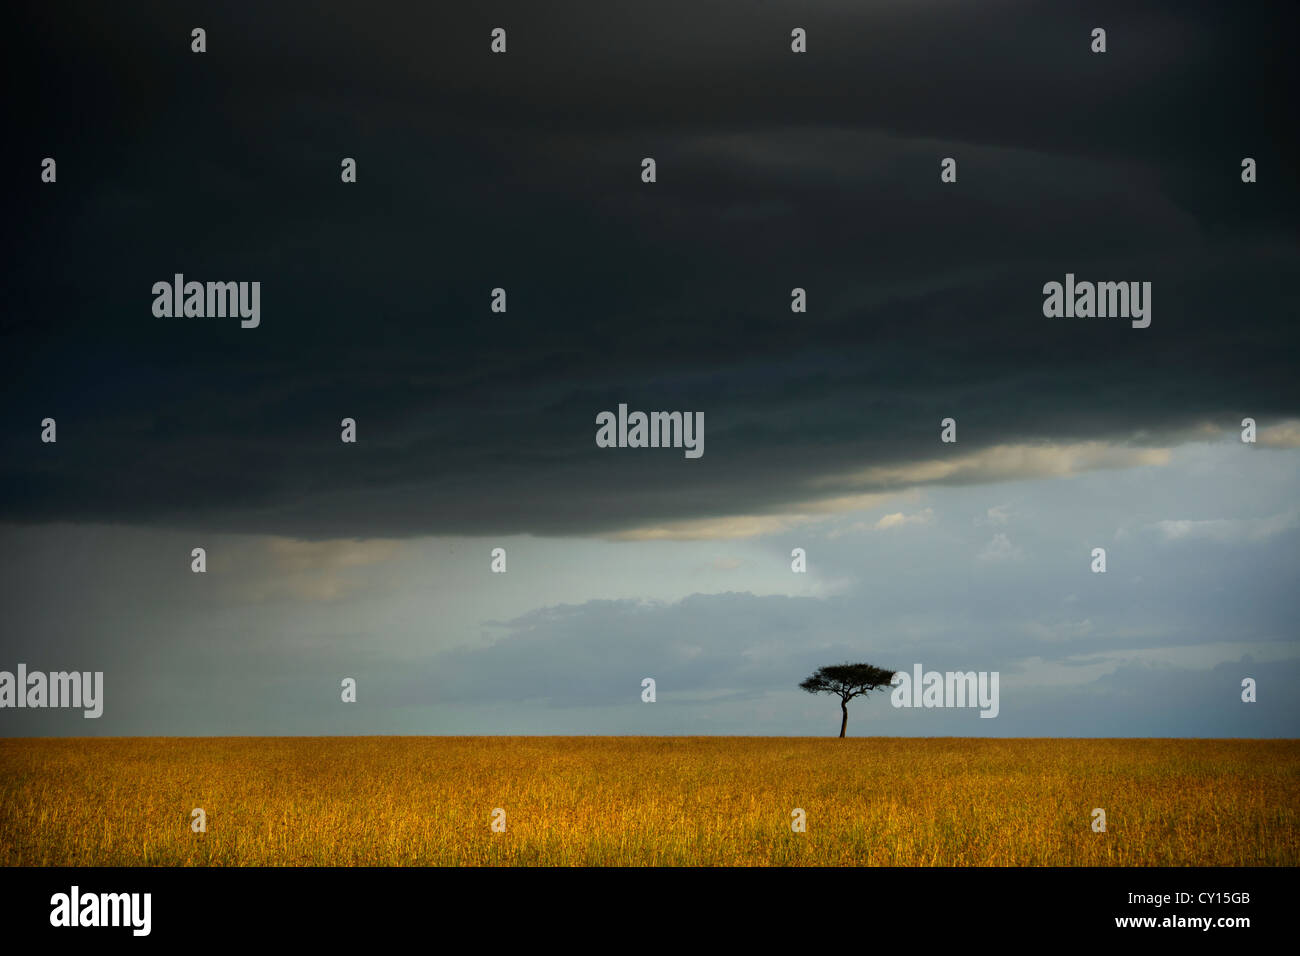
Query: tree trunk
x=844 y=706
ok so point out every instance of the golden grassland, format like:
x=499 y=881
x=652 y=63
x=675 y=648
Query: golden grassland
x=288 y=801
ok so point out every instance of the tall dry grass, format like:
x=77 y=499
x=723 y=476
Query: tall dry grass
x=648 y=801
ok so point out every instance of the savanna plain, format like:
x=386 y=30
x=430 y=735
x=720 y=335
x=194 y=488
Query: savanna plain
x=637 y=801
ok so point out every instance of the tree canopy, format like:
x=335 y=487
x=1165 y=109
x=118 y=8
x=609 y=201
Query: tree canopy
x=847 y=681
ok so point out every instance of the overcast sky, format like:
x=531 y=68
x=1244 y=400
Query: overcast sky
x=476 y=429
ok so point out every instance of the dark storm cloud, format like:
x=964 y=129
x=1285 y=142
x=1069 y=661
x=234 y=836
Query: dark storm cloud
x=522 y=171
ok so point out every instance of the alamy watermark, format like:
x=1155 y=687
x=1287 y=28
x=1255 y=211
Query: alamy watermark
x=655 y=430
x=75 y=908
x=1084 y=300
x=57 y=689
x=208 y=300
x=949 y=689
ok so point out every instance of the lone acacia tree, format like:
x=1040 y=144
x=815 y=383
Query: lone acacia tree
x=847 y=681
